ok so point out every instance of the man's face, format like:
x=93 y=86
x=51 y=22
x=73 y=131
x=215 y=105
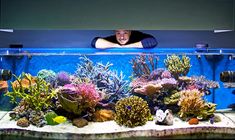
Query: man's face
x=123 y=36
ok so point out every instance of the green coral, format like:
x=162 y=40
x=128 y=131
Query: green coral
x=132 y=111
x=178 y=66
x=48 y=75
x=207 y=111
x=172 y=99
x=49 y=116
x=37 y=95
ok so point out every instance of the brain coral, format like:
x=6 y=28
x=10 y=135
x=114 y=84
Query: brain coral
x=132 y=111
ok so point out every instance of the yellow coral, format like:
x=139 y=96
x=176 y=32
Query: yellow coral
x=191 y=103
x=132 y=111
x=103 y=115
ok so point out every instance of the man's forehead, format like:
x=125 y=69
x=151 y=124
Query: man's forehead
x=122 y=31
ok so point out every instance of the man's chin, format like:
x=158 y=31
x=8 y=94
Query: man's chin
x=123 y=43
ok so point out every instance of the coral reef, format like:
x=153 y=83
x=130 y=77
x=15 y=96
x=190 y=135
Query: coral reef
x=62 y=78
x=36 y=118
x=78 y=99
x=168 y=83
x=132 y=111
x=177 y=66
x=37 y=96
x=148 y=89
x=103 y=115
x=107 y=81
x=143 y=65
x=138 y=82
x=156 y=74
x=3 y=86
x=192 y=105
x=48 y=75
x=172 y=99
x=202 y=84
x=24 y=82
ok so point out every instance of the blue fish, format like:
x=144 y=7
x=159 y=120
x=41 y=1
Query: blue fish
x=212 y=120
x=128 y=107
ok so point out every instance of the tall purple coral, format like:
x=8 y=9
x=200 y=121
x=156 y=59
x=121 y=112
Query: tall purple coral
x=63 y=78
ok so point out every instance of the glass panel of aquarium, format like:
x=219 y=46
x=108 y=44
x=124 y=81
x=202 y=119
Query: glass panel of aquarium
x=106 y=84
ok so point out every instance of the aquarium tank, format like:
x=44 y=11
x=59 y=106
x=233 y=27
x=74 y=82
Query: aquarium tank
x=117 y=93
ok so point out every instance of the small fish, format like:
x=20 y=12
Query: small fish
x=128 y=107
x=60 y=119
x=212 y=120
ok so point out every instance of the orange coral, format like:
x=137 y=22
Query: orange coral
x=193 y=121
x=24 y=82
x=3 y=86
x=103 y=115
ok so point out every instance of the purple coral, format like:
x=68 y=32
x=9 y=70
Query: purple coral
x=168 y=83
x=166 y=74
x=156 y=74
x=63 y=78
x=68 y=89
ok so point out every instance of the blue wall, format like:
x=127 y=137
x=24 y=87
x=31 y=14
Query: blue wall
x=82 y=38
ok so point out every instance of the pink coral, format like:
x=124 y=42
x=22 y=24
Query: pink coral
x=138 y=82
x=88 y=91
x=148 y=89
x=79 y=98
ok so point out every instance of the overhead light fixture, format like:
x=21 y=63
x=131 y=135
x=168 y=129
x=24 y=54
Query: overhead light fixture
x=221 y=31
x=6 y=30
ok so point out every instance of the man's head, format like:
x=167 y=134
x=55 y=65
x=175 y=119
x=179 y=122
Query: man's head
x=123 y=36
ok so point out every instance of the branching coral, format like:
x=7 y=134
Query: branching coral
x=106 y=80
x=37 y=94
x=132 y=111
x=178 y=66
x=143 y=65
x=203 y=84
x=192 y=105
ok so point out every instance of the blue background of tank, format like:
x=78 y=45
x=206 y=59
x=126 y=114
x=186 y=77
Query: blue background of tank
x=67 y=59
